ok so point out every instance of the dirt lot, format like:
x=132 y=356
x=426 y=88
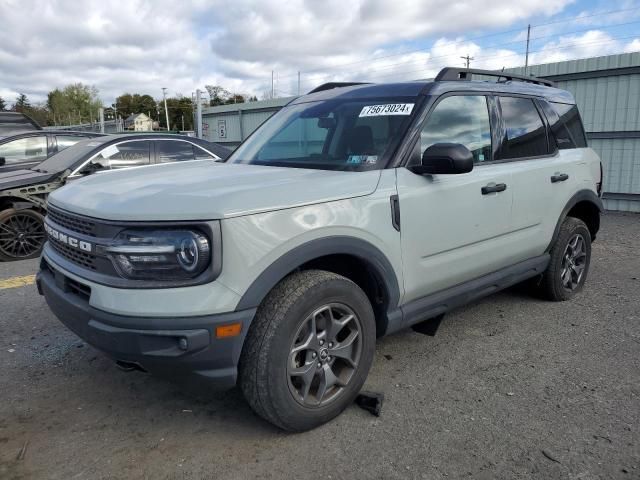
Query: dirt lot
x=510 y=387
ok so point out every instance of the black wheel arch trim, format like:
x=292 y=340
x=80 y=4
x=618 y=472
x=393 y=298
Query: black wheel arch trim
x=581 y=196
x=334 y=245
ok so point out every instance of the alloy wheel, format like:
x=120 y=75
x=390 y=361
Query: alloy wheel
x=21 y=235
x=324 y=355
x=573 y=262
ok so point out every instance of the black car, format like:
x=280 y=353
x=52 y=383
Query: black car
x=23 y=193
x=15 y=122
x=26 y=150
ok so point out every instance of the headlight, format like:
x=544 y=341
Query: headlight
x=160 y=254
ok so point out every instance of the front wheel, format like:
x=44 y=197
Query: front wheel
x=308 y=351
x=570 y=260
x=22 y=234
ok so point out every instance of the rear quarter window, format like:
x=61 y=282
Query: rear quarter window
x=569 y=125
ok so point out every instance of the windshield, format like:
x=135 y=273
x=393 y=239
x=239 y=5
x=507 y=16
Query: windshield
x=69 y=156
x=338 y=134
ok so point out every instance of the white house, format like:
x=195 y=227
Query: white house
x=138 y=122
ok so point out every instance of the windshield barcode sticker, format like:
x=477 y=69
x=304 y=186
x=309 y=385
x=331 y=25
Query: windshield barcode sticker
x=388 y=109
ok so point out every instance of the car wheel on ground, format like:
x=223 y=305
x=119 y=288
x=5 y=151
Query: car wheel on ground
x=308 y=350
x=570 y=259
x=22 y=234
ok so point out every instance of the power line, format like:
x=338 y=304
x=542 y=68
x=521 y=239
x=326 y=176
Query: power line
x=489 y=47
x=557 y=49
x=505 y=32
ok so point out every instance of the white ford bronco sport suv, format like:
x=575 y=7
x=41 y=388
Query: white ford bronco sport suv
x=355 y=211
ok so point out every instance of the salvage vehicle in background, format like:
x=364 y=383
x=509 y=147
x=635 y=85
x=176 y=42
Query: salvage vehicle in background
x=26 y=150
x=15 y=122
x=23 y=193
x=354 y=212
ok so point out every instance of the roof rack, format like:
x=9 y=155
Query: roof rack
x=456 y=74
x=331 y=85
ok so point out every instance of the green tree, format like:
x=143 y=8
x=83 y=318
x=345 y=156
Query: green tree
x=75 y=103
x=3 y=105
x=217 y=95
x=128 y=104
x=180 y=108
x=22 y=103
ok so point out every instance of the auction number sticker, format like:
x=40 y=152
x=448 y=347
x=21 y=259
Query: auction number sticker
x=388 y=109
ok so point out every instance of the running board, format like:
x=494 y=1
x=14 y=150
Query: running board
x=445 y=300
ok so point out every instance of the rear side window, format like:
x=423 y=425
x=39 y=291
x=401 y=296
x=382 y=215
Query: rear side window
x=525 y=134
x=174 y=151
x=24 y=149
x=570 y=121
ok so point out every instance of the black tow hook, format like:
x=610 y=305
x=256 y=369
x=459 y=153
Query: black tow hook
x=129 y=366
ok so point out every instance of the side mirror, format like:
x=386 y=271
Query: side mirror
x=91 y=167
x=3 y=161
x=445 y=158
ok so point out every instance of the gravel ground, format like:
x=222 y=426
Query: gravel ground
x=510 y=387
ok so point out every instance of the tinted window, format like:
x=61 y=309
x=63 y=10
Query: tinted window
x=525 y=134
x=570 y=120
x=123 y=155
x=460 y=119
x=24 y=149
x=174 y=151
x=65 y=141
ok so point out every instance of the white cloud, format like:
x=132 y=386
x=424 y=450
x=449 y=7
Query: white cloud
x=143 y=45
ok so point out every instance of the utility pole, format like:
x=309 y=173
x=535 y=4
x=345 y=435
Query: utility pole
x=166 y=112
x=183 y=122
x=298 y=82
x=526 y=57
x=272 y=86
x=198 y=114
x=468 y=59
x=101 y=114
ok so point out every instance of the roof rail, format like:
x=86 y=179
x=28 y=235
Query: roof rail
x=331 y=85
x=455 y=74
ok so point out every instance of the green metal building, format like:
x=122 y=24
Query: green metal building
x=607 y=90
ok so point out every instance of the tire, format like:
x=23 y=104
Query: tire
x=280 y=345
x=570 y=259
x=22 y=234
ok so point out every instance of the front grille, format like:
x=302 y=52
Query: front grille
x=72 y=222
x=76 y=256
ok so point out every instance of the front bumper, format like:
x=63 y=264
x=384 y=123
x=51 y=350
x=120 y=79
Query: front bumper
x=184 y=348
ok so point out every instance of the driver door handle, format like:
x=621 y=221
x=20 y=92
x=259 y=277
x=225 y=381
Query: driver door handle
x=560 y=177
x=498 y=187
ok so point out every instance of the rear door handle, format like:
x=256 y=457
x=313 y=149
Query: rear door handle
x=560 y=177
x=498 y=187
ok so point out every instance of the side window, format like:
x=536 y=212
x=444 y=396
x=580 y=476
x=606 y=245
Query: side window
x=570 y=119
x=65 y=141
x=525 y=134
x=24 y=150
x=460 y=119
x=174 y=151
x=123 y=155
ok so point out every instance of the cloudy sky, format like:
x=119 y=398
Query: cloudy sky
x=139 y=46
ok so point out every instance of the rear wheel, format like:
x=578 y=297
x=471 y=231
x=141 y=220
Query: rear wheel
x=570 y=259
x=308 y=351
x=22 y=234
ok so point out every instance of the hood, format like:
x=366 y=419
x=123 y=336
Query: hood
x=205 y=190
x=23 y=178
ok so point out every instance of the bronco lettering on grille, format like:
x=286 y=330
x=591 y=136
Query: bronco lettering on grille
x=68 y=240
